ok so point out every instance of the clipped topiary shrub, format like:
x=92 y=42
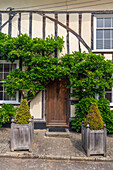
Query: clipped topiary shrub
x=94 y=119
x=81 y=110
x=23 y=113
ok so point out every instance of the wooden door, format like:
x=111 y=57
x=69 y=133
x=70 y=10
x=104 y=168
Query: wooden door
x=57 y=103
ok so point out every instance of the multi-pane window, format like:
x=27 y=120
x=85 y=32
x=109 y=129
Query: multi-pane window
x=103 y=32
x=109 y=94
x=5 y=68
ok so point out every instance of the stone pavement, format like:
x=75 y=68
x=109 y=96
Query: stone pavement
x=53 y=147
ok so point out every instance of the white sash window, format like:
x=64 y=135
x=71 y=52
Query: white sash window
x=5 y=68
x=103 y=33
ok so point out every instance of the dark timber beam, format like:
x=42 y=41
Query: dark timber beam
x=61 y=12
x=70 y=30
x=80 y=27
x=8 y=21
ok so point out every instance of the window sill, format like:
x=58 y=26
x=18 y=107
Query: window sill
x=9 y=102
x=100 y=51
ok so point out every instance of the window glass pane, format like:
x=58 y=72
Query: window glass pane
x=1 y=95
x=106 y=89
x=99 y=22
x=107 y=34
x=99 y=44
x=108 y=96
x=112 y=44
x=1 y=88
x=5 y=75
x=106 y=44
x=1 y=76
x=107 y=22
x=112 y=22
x=6 y=67
x=112 y=33
x=1 y=67
x=13 y=66
x=13 y=98
x=6 y=97
x=99 y=34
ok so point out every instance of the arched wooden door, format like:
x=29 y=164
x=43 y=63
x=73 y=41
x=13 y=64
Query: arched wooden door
x=57 y=103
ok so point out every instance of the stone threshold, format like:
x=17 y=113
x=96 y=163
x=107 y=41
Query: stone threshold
x=65 y=134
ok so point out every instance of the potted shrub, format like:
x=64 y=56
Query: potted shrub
x=94 y=132
x=22 y=128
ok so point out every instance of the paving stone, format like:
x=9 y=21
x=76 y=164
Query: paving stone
x=52 y=147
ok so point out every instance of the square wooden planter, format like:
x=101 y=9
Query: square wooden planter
x=22 y=136
x=94 y=141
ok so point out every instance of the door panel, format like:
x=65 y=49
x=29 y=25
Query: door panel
x=58 y=103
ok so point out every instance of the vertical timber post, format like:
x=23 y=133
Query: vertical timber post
x=44 y=92
x=10 y=25
x=56 y=32
x=92 y=31
x=80 y=24
x=19 y=24
x=30 y=24
x=67 y=38
x=0 y=21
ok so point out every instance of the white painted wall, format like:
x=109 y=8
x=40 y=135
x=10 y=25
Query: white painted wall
x=36 y=106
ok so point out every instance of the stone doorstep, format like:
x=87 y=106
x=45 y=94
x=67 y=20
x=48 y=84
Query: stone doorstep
x=58 y=134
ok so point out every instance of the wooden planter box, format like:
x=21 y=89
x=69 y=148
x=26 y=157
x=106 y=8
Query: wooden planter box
x=94 y=141
x=22 y=136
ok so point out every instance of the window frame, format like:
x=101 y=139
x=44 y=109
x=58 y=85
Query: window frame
x=17 y=92
x=108 y=91
x=95 y=28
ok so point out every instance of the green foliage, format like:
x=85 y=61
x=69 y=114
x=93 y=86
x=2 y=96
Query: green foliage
x=89 y=73
x=6 y=112
x=81 y=110
x=23 y=113
x=94 y=118
x=37 y=55
x=106 y=113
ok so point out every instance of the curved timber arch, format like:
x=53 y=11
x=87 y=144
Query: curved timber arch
x=70 y=30
x=13 y=13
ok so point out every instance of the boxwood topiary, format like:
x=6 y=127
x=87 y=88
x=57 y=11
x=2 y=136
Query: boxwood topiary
x=23 y=113
x=94 y=119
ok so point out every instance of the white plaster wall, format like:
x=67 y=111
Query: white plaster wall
x=37 y=26
x=25 y=23
x=50 y=26
x=36 y=106
x=108 y=56
x=73 y=5
x=86 y=30
x=72 y=111
x=14 y=26
x=5 y=17
x=73 y=24
x=62 y=32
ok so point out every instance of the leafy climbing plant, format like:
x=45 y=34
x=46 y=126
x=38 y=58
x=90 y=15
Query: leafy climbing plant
x=89 y=73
